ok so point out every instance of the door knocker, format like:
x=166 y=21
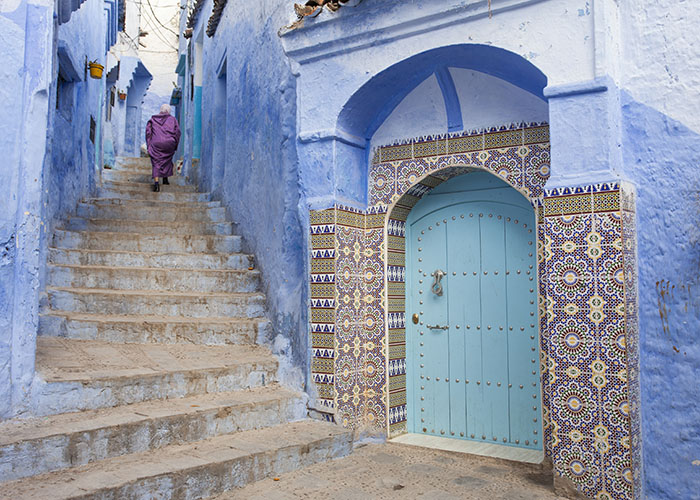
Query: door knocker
x=436 y=287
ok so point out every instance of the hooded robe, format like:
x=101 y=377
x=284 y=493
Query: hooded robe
x=162 y=138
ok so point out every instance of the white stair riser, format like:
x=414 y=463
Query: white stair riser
x=147 y=243
x=140 y=259
x=174 y=280
x=144 y=193
x=64 y=397
x=151 y=202
x=150 y=227
x=146 y=186
x=190 y=306
x=146 y=332
x=140 y=175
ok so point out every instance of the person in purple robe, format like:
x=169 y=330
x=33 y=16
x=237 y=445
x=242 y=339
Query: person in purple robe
x=162 y=138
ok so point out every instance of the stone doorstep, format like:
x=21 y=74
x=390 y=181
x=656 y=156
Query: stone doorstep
x=151 y=302
x=150 y=226
x=152 y=329
x=163 y=260
x=150 y=213
x=153 y=278
x=193 y=470
x=139 y=242
x=39 y=445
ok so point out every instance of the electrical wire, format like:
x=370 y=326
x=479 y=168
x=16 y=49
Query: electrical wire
x=148 y=2
x=158 y=33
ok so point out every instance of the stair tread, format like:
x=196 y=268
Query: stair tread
x=173 y=459
x=73 y=360
x=151 y=222
x=146 y=318
x=148 y=235
x=98 y=267
x=168 y=293
x=19 y=430
x=148 y=254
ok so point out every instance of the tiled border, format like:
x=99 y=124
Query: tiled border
x=587 y=279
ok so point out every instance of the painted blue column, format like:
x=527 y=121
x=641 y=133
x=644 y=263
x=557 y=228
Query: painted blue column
x=585 y=130
x=197 y=136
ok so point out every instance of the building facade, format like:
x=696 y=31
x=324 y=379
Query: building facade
x=321 y=138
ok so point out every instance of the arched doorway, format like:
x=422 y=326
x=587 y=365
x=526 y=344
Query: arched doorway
x=472 y=333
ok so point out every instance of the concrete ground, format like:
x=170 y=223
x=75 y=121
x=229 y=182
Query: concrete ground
x=393 y=471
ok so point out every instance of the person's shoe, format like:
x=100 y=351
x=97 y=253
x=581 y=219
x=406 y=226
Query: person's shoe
x=156 y=187
x=165 y=181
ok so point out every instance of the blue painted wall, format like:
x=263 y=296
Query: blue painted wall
x=12 y=26
x=662 y=156
x=72 y=175
x=259 y=182
x=48 y=163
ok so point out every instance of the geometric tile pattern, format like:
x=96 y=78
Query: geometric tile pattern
x=348 y=362
x=519 y=154
x=587 y=280
x=589 y=338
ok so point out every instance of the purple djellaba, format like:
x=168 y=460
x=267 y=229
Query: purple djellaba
x=162 y=138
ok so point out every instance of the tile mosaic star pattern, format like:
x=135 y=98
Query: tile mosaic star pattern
x=586 y=257
x=347 y=315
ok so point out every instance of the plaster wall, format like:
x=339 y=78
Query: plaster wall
x=532 y=31
x=482 y=101
x=26 y=74
x=12 y=25
x=661 y=156
x=259 y=181
x=422 y=112
x=72 y=174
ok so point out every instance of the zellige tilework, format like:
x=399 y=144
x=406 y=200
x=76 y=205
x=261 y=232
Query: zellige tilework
x=586 y=260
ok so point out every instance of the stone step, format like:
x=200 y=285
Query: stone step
x=152 y=278
x=132 y=162
x=145 y=213
x=146 y=185
x=149 y=227
x=154 y=329
x=137 y=302
x=152 y=202
x=144 y=193
x=35 y=446
x=139 y=175
x=87 y=375
x=193 y=470
x=137 y=242
x=166 y=260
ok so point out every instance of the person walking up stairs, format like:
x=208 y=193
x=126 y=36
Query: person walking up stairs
x=153 y=383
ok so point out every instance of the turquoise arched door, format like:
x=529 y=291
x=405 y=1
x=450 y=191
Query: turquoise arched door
x=471 y=306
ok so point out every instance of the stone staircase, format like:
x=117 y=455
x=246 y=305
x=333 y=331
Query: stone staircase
x=153 y=383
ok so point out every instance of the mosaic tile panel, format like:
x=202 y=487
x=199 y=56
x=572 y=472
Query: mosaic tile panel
x=323 y=309
x=586 y=261
x=519 y=154
x=587 y=334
